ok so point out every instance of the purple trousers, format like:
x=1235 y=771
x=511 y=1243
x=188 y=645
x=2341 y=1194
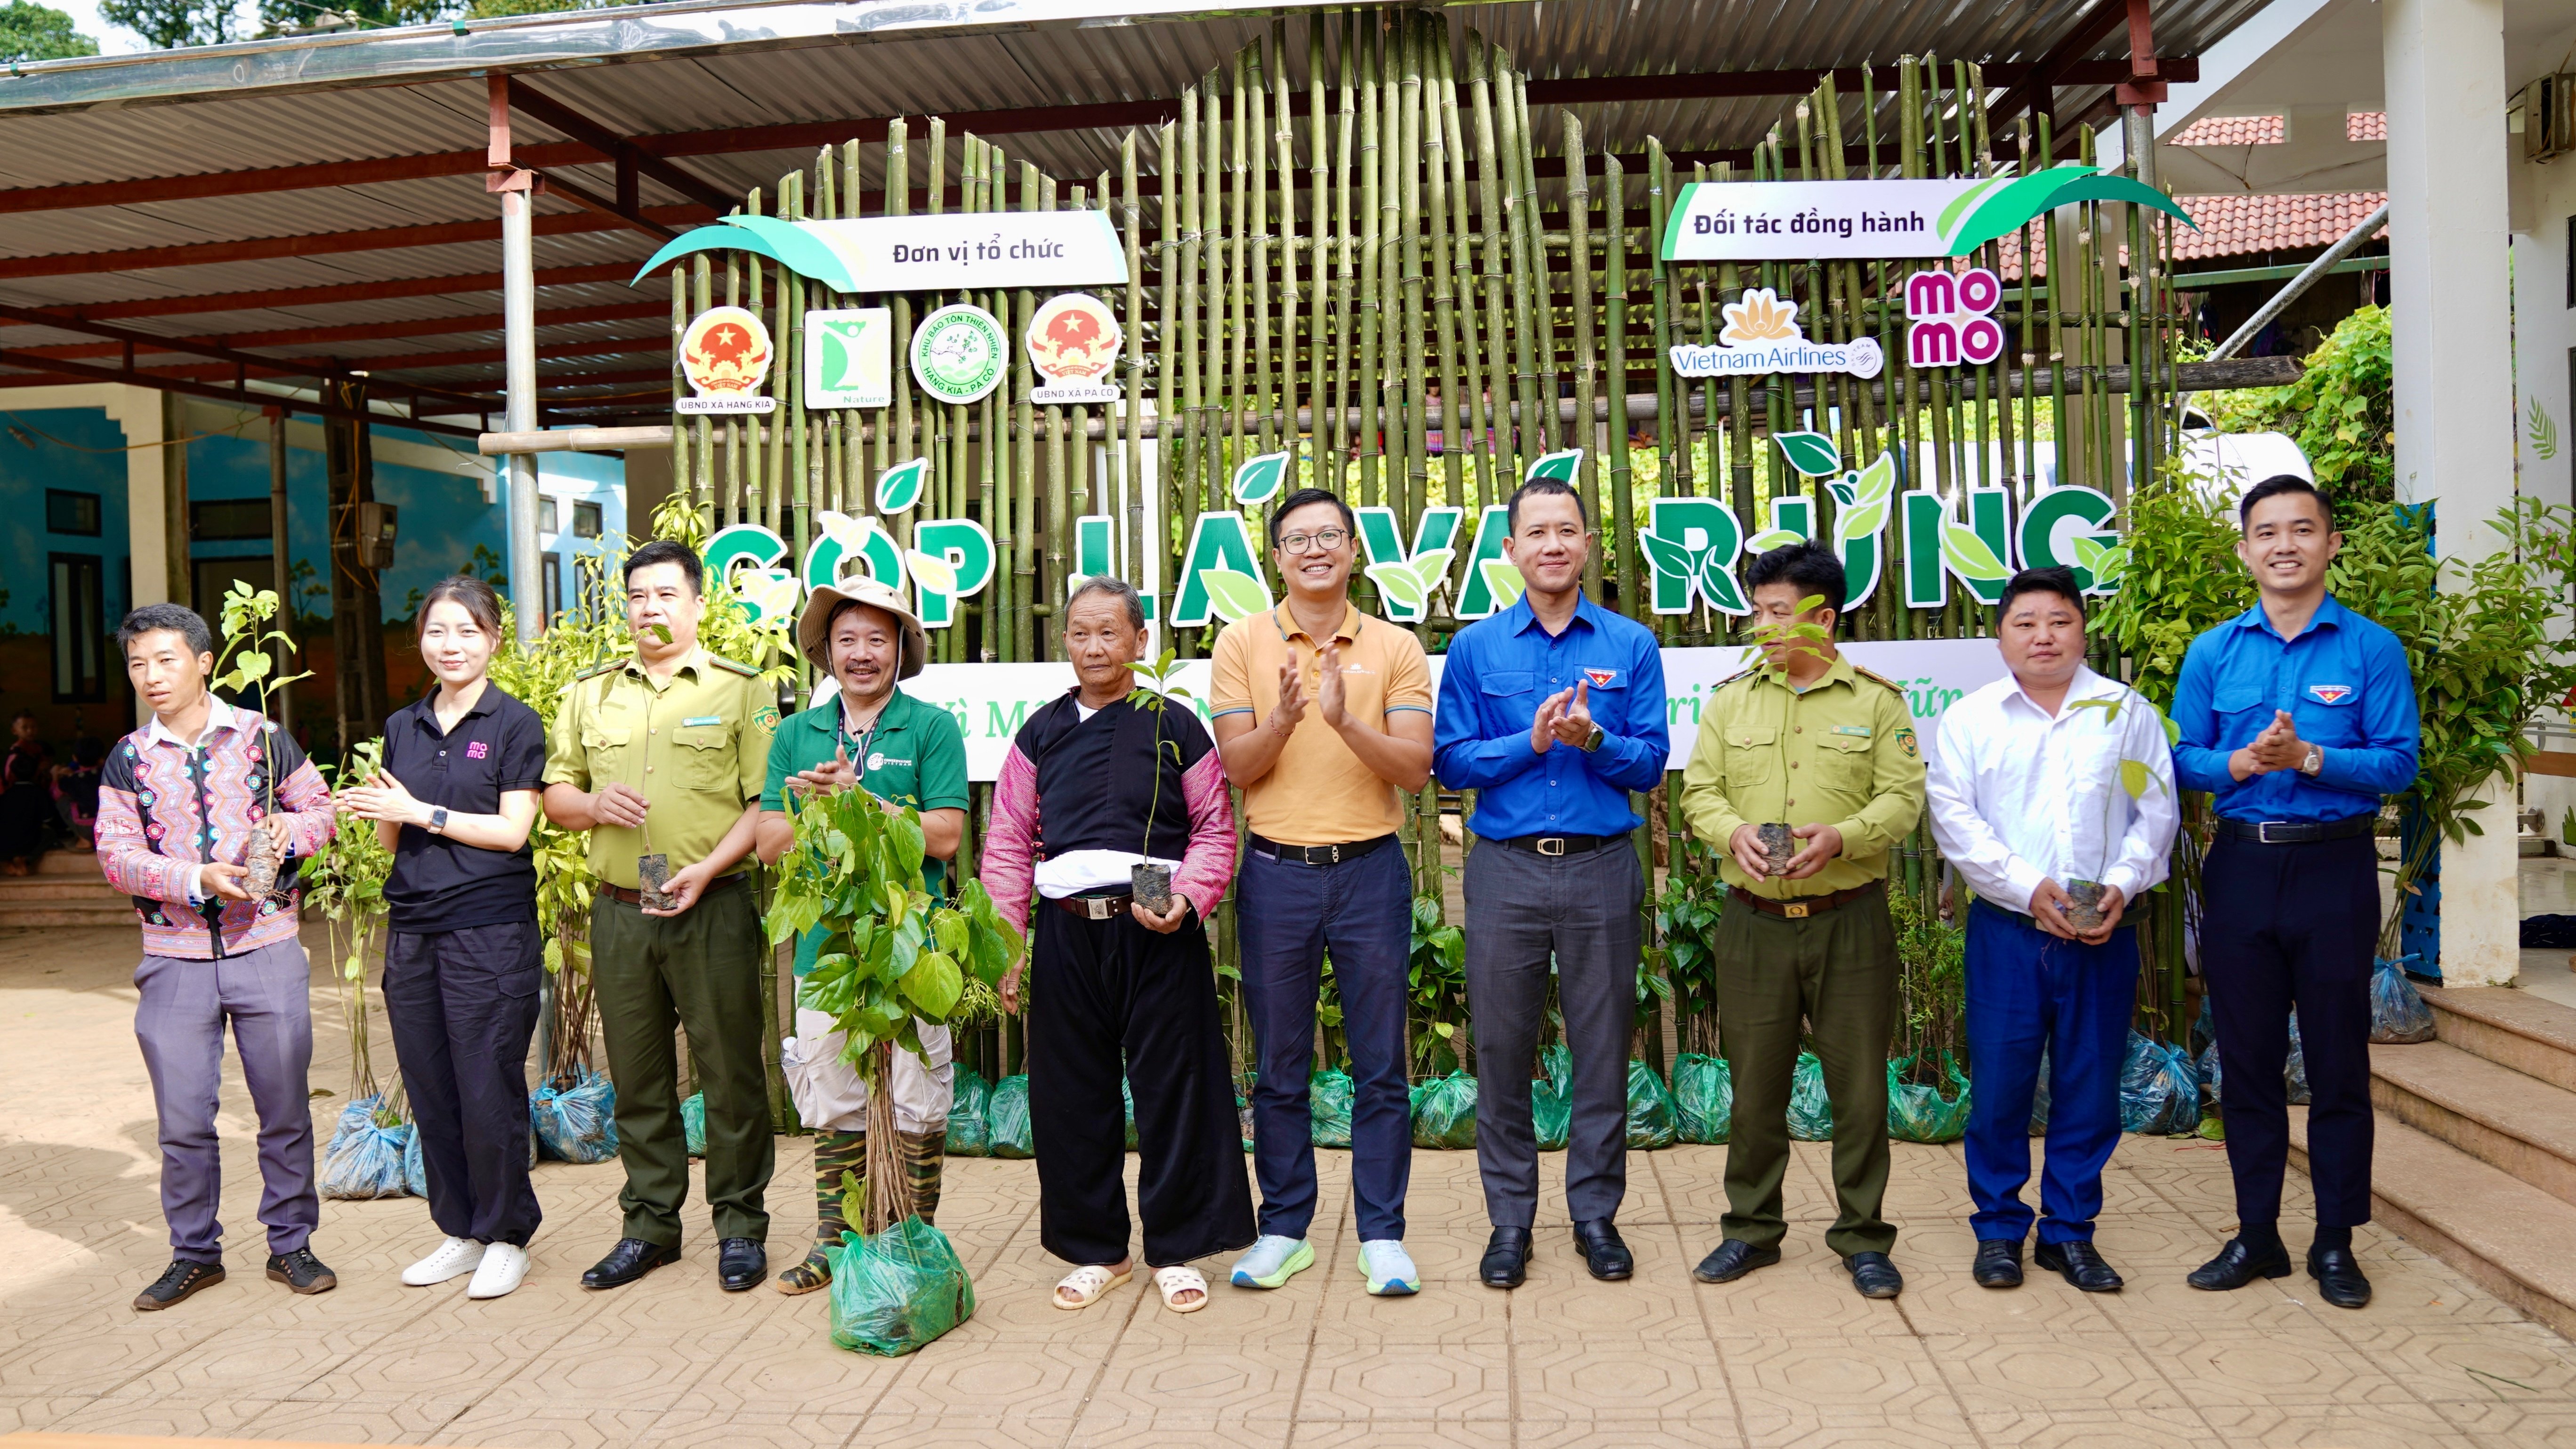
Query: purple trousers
x=263 y=995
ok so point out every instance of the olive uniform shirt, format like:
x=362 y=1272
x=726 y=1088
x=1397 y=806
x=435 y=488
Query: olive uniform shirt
x=1841 y=753
x=696 y=746
x=914 y=754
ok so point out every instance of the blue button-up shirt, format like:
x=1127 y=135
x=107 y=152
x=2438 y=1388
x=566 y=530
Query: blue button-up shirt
x=2345 y=683
x=1499 y=671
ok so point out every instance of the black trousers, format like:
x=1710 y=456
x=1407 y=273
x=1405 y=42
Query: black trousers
x=1100 y=989
x=463 y=1004
x=2284 y=926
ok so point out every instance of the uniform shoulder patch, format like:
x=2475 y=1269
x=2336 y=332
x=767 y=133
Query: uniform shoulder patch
x=1745 y=673
x=745 y=670
x=1878 y=679
x=764 y=717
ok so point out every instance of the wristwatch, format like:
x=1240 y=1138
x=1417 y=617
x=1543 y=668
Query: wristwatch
x=438 y=820
x=2315 y=761
x=1592 y=743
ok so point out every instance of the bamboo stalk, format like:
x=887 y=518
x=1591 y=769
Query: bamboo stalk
x=1407 y=158
x=1623 y=522
x=1345 y=279
x=1319 y=213
x=1543 y=312
x=1578 y=214
x=1372 y=81
x=1131 y=408
x=1439 y=109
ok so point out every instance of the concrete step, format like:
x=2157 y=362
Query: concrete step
x=2532 y=1035
x=68 y=862
x=68 y=913
x=2509 y=1237
x=29 y=889
x=2520 y=1124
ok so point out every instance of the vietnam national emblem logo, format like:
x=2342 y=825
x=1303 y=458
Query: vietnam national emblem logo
x=1073 y=341
x=725 y=354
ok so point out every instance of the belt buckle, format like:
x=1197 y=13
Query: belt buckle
x=2263 y=832
x=1095 y=909
x=1794 y=910
x=1336 y=856
x=1545 y=841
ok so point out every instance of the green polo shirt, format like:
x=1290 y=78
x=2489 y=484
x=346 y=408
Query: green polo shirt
x=914 y=756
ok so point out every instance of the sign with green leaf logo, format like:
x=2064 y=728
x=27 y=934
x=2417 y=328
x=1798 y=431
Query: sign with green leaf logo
x=1258 y=480
x=899 y=487
x=958 y=353
x=849 y=357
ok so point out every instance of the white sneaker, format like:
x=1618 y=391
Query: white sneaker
x=454 y=1259
x=503 y=1268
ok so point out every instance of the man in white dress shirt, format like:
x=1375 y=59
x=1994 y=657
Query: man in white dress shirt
x=2045 y=788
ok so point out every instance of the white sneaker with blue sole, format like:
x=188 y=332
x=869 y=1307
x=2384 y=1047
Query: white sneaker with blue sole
x=1389 y=1268
x=1272 y=1260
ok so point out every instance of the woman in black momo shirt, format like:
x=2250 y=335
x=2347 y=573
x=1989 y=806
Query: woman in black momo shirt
x=454 y=800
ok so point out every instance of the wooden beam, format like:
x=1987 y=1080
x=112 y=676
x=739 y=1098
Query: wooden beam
x=309 y=336
x=2039 y=85
x=2560 y=763
x=127 y=343
x=258 y=249
x=458 y=284
x=83 y=372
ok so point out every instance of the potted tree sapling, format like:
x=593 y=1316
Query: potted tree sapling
x=246 y=666
x=2084 y=897
x=1149 y=881
x=1778 y=845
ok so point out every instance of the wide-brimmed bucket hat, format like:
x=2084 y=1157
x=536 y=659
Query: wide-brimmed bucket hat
x=813 y=627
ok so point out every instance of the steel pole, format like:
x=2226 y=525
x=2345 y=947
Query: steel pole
x=519 y=351
x=2299 y=284
x=281 y=564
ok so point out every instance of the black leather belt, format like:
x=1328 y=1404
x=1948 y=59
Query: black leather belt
x=1320 y=854
x=636 y=898
x=1802 y=907
x=1095 y=908
x=1559 y=844
x=2294 y=832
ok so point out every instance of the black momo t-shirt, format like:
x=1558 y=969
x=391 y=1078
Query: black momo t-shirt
x=440 y=884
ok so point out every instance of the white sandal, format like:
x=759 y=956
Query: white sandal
x=1088 y=1283
x=1172 y=1282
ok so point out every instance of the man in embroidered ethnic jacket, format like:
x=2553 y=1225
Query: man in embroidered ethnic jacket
x=177 y=803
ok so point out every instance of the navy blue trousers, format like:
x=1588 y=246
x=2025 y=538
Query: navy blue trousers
x=2284 y=926
x=1288 y=915
x=463 y=1004
x=2030 y=992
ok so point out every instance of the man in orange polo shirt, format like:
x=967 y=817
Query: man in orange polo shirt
x=1323 y=717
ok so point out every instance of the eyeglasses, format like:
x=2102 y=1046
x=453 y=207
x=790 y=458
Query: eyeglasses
x=1327 y=540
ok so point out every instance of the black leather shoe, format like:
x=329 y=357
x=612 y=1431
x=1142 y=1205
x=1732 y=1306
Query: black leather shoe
x=741 y=1263
x=1605 y=1253
x=1733 y=1259
x=1507 y=1254
x=631 y=1259
x=2237 y=1265
x=301 y=1272
x=1998 y=1263
x=176 y=1282
x=1874 y=1275
x=2079 y=1265
x=2338 y=1275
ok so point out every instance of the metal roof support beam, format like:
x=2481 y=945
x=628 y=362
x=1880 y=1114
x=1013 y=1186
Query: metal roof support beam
x=329 y=243
x=49 y=368
x=455 y=285
x=630 y=157
x=127 y=343
x=2037 y=90
x=352 y=332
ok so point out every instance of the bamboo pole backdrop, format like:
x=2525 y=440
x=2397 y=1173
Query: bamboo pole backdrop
x=1343 y=248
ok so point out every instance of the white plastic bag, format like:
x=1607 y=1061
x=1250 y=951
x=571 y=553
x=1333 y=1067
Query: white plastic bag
x=830 y=1097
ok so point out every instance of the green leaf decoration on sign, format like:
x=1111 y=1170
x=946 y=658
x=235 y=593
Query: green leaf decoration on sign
x=1399 y=583
x=2544 y=433
x=1714 y=585
x=1770 y=539
x=1256 y=479
x=1959 y=204
x=1877 y=482
x=1968 y=556
x=1235 y=595
x=1556 y=466
x=2113 y=563
x=1670 y=558
x=931 y=571
x=1812 y=454
x=1431 y=567
x=766 y=595
x=1859 y=520
x=899 y=487
x=1505 y=581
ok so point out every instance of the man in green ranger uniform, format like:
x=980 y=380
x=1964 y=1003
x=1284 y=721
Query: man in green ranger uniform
x=1808 y=740
x=904 y=752
x=661 y=754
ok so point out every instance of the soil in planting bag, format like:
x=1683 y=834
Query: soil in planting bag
x=968 y=1136
x=1551 y=1116
x=693 y=1123
x=2397 y=1009
x=1918 y=1113
x=2294 y=1072
x=898 y=1290
x=2159 y=1090
x=1328 y=1106
x=1703 y=1098
x=363 y=1159
x=1650 y=1108
x=1444 y=1113
x=1006 y=1119
x=578 y=1123
x=1811 y=1112
x=1558 y=1063
x=2039 y=1099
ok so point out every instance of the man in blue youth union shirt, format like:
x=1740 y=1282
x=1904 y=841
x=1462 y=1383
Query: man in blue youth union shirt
x=2298 y=715
x=1552 y=711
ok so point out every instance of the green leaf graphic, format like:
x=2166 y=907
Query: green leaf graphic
x=899 y=487
x=1968 y=556
x=1877 y=482
x=1770 y=539
x=1812 y=454
x=1859 y=521
x=2114 y=562
x=1558 y=466
x=1505 y=581
x=1400 y=585
x=1959 y=204
x=931 y=571
x=1431 y=566
x=2088 y=554
x=1235 y=595
x=1256 y=479
x=1715 y=584
x=1670 y=558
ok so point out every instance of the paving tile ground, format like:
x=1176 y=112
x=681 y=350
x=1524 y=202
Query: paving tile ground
x=1789 y=1356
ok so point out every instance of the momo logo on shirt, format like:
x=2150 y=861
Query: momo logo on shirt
x=2329 y=693
x=1602 y=678
x=477 y=749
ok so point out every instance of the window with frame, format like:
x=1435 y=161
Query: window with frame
x=79 y=619
x=67 y=511
x=228 y=520
x=546 y=522
x=585 y=520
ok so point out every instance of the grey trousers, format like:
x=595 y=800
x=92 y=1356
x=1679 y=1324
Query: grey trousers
x=264 y=995
x=1582 y=909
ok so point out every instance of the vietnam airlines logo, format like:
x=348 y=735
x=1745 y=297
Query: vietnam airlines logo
x=2329 y=693
x=1601 y=678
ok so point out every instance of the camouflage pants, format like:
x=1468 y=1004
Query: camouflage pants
x=838 y=1152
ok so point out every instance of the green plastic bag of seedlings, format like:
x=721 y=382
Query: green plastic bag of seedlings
x=1328 y=1103
x=898 y=1290
x=1006 y=1118
x=693 y=1123
x=1811 y=1112
x=1650 y=1108
x=1917 y=1113
x=1703 y=1098
x=1444 y=1113
x=1551 y=1116
x=969 y=1135
x=1558 y=1063
x=1127 y=1100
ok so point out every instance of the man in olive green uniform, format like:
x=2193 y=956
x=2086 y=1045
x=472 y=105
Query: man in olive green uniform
x=1806 y=739
x=664 y=754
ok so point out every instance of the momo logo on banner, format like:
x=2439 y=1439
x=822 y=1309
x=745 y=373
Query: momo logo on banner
x=725 y=354
x=1950 y=318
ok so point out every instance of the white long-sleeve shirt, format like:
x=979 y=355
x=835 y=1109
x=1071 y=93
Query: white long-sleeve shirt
x=2019 y=796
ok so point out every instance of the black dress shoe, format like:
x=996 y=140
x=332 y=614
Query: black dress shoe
x=183 y=1277
x=1998 y=1263
x=631 y=1259
x=301 y=1272
x=2237 y=1265
x=2338 y=1275
x=1605 y=1253
x=1506 y=1263
x=1874 y=1275
x=2078 y=1264
x=741 y=1263
x=1733 y=1259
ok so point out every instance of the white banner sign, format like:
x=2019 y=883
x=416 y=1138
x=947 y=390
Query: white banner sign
x=1738 y=221
x=974 y=250
x=992 y=701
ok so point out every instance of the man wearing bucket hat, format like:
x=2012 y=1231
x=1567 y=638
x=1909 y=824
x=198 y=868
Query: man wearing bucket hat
x=869 y=733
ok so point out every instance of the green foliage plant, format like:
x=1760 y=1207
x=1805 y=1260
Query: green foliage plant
x=244 y=665
x=1685 y=952
x=2340 y=412
x=29 y=31
x=1932 y=971
x=1436 y=981
x=346 y=884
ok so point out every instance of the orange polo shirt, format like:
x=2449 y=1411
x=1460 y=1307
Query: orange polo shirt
x=1319 y=793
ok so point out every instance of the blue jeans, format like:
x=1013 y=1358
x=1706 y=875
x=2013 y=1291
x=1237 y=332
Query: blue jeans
x=2030 y=992
x=1289 y=914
